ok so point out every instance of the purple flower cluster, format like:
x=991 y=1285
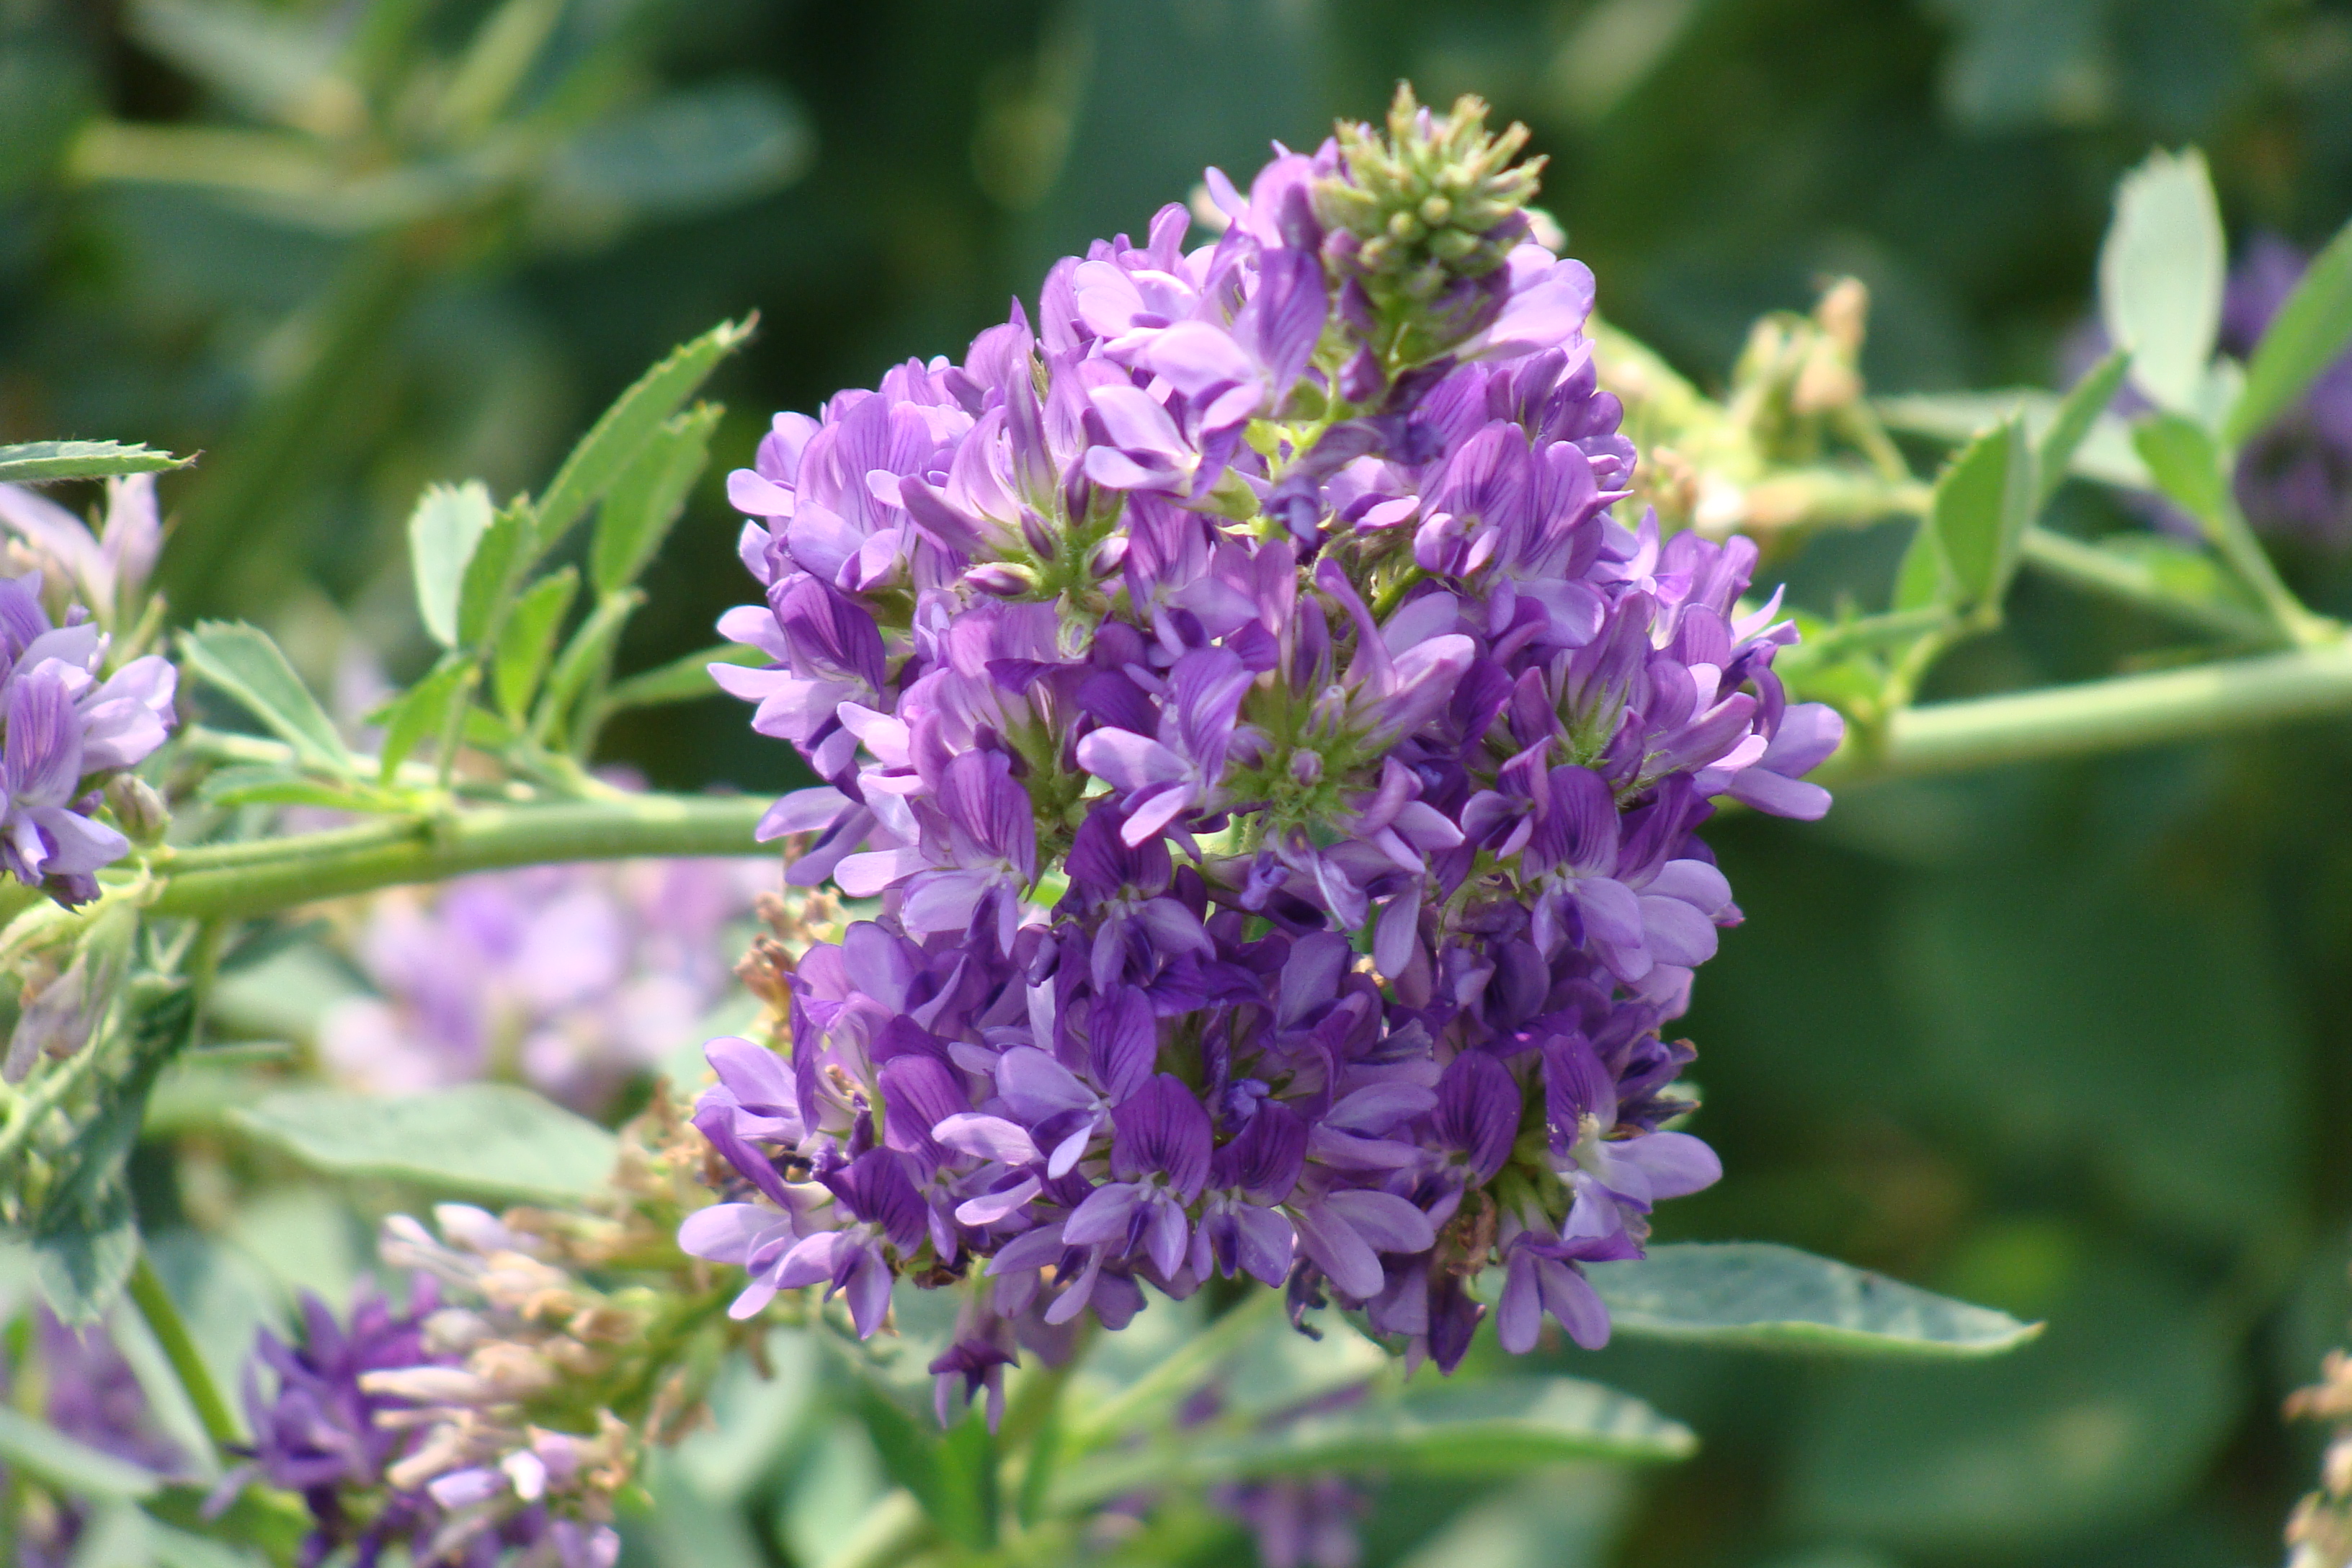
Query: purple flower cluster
x=572 y=978
x=400 y=1429
x=1278 y=772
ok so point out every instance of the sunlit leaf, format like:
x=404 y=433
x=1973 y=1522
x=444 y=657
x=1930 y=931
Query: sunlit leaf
x=622 y=432
x=528 y=642
x=1757 y=1295
x=2185 y=463
x=444 y=530
x=242 y=661
x=422 y=711
x=2076 y=416
x=647 y=498
x=2309 y=334
x=41 y=462
x=2161 y=269
x=486 y=1140
x=493 y=575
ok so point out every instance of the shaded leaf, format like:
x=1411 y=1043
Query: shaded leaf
x=242 y=661
x=2108 y=1418
x=648 y=498
x=690 y=150
x=625 y=427
x=489 y=1140
x=2310 y=330
x=952 y=1474
x=529 y=640
x=2161 y=269
x=85 y=1236
x=40 y=462
x=1765 y=1297
x=260 y=783
x=56 y=1460
x=1468 y=1429
x=444 y=530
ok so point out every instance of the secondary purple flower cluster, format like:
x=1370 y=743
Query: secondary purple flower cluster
x=1278 y=772
x=572 y=978
x=69 y=726
x=399 y=1428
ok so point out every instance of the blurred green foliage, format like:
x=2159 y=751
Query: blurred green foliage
x=2070 y=1041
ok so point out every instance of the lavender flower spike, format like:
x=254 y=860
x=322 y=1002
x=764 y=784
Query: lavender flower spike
x=1277 y=774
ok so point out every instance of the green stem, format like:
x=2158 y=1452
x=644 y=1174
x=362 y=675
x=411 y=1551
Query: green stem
x=2084 y=566
x=2234 y=537
x=171 y=1331
x=2114 y=714
x=240 y=880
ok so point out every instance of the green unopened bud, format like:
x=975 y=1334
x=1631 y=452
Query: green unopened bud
x=137 y=809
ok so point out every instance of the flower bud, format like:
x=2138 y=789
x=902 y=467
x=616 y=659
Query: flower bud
x=1004 y=579
x=138 y=808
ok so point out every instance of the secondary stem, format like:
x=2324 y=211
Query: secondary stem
x=171 y=1331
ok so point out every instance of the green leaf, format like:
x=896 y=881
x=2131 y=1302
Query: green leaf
x=2186 y=464
x=681 y=679
x=2104 y=453
x=2160 y=274
x=2106 y=1420
x=2304 y=339
x=1760 y=1296
x=488 y=1139
x=242 y=661
x=40 y=462
x=267 y=62
x=952 y=1474
x=422 y=712
x=647 y=498
x=692 y=151
x=443 y=533
x=1478 y=1429
x=625 y=427
x=2076 y=415
x=262 y=783
x=529 y=640
x=1982 y=505
x=56 y=1460
x=1924 y=578
x=85 y=1237
x=493 y=575
x=87 y=1242
x=586 y=657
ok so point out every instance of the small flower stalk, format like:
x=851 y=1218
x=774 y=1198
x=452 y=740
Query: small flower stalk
x=1278 y=774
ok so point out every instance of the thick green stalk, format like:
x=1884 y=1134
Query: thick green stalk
x=2111 y=715
x=237 y=880
x=171 y=1331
